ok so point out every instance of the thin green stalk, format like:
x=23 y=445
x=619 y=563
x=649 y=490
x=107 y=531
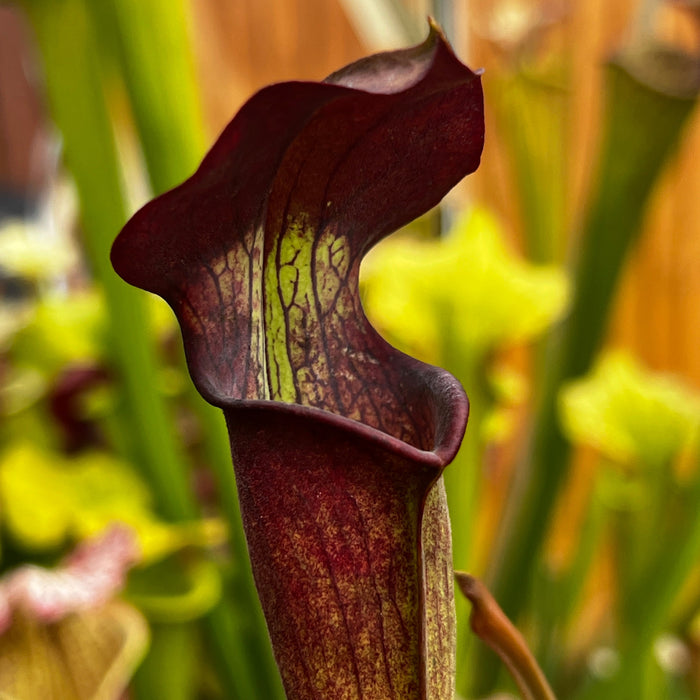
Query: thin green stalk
x=462 y=478
x=654 y=532
x=78 y=108
x=157 y=68
x=532 y=114
x=657 y=591
x=173 y=647
x=463 y=484
x=643 y=124
x=564 y=594
x=592 y=532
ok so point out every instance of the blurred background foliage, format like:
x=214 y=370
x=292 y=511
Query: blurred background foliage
x=560 y=284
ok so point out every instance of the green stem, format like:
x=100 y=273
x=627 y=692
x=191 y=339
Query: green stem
x=463 y=476
x=532 y=114
x=173 y=646
x=463 y=485
x=559 y=603
x=157 y=67
x=656 y=593
x=643 y=125
x=78 y=107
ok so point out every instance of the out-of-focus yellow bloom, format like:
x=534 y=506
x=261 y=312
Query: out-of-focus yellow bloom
x=509 y=388
x=63 y=330
x=36 y=506
x=33 y=253
x=47 y=499
x=631 y=415
x=468 y=284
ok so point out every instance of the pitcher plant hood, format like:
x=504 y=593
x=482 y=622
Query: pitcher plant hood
x=338 y=439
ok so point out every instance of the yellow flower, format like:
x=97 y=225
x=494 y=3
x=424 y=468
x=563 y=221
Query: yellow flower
x=47 y=499
x=631 y=415
x=468 y=284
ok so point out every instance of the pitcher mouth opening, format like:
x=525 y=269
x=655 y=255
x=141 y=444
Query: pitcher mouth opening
x=449 y=408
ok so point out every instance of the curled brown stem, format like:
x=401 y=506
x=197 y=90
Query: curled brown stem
x=490 y=623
